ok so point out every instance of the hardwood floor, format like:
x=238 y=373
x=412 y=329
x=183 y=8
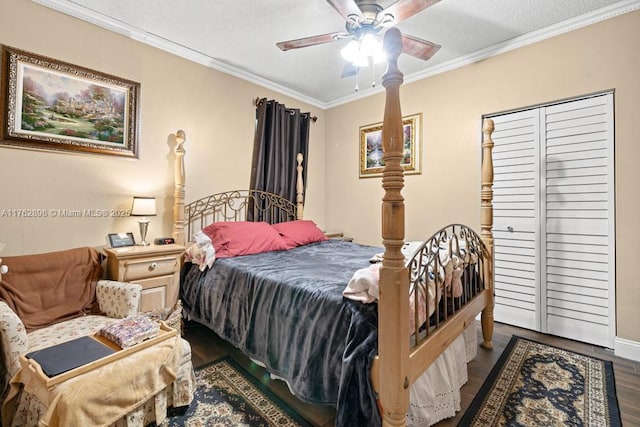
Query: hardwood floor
x=207 y=347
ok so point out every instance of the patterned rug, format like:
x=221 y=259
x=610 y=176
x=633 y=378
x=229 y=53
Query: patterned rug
x=535 y=384
x=228 y=395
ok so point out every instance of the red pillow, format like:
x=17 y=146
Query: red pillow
x=299 y=232
x=243 y=238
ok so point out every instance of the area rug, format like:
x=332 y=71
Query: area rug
x=535 y=384
x=228 y=395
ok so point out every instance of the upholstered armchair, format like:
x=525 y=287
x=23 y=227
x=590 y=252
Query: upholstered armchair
x=46 y=299
x=116 y=299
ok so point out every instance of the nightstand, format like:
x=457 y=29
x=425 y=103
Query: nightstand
x=155 y=267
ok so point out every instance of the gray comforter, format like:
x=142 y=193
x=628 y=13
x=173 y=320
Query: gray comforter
x=286 y=310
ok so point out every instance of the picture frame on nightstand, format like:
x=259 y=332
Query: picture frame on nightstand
x=120 y=240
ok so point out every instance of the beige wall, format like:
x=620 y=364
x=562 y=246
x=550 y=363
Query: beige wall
x=214 y=109
x=216 y=112
x=597 y=58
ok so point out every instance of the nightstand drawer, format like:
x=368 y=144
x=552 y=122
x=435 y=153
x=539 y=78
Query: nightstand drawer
x=145 y=268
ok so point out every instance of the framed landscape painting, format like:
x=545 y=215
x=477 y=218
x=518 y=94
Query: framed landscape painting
x=52 y=105
x=371 y=162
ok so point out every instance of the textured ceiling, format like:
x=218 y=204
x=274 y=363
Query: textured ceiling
x=239 y=36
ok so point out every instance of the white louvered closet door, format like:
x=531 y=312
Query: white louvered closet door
x=579 y=220
x=515 y=213
x=569 y=218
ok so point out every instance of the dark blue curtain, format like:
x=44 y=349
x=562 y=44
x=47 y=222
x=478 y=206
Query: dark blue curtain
x=281 y=133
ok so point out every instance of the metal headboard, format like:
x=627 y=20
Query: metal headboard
x=238 y=205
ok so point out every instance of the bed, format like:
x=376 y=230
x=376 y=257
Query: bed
x=293 y=310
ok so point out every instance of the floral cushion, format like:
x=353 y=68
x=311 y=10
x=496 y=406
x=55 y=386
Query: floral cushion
x=67 y=330
x=118 y=299
x=14 y=339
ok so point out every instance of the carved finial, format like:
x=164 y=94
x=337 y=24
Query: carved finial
x=488 y=126
x=180 y=138
x=392 y=43
x=299 y=187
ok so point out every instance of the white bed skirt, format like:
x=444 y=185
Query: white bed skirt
x=436 y=394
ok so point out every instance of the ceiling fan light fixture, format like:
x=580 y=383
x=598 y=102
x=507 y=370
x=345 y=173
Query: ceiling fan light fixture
x=368 y=45
x=387 y=20
x=366 y=21
x=358 y=52
x=371 y=47
x=353 y=54
x=353 y=18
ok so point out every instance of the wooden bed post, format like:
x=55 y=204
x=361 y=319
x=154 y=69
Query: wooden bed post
x=393 y=306
x=179 y=194
x=486 y=224
x=299 y=188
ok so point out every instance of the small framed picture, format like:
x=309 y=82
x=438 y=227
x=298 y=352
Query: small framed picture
x=371 y=151
x=120 y=240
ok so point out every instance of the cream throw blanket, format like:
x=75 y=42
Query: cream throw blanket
x=102 y=396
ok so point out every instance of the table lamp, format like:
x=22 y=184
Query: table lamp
x=144 y=207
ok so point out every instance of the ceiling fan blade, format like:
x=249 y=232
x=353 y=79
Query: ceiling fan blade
x=403 y=9
x=419 y=48
x=349 y=9
x=310 y=41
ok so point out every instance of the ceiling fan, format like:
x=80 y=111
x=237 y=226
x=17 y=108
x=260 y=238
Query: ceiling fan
x=366 y=21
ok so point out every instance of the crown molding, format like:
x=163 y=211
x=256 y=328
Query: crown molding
x=83 y=13
x=527 y=39
x=531 y=38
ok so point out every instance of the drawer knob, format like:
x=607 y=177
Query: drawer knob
x=153 y=265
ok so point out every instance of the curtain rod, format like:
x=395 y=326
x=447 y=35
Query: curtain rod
x=257 y=101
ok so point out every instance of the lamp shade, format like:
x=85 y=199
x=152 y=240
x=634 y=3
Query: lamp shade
x=143 y=206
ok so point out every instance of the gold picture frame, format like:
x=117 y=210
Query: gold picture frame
x=53 y=105
x=371 y=162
